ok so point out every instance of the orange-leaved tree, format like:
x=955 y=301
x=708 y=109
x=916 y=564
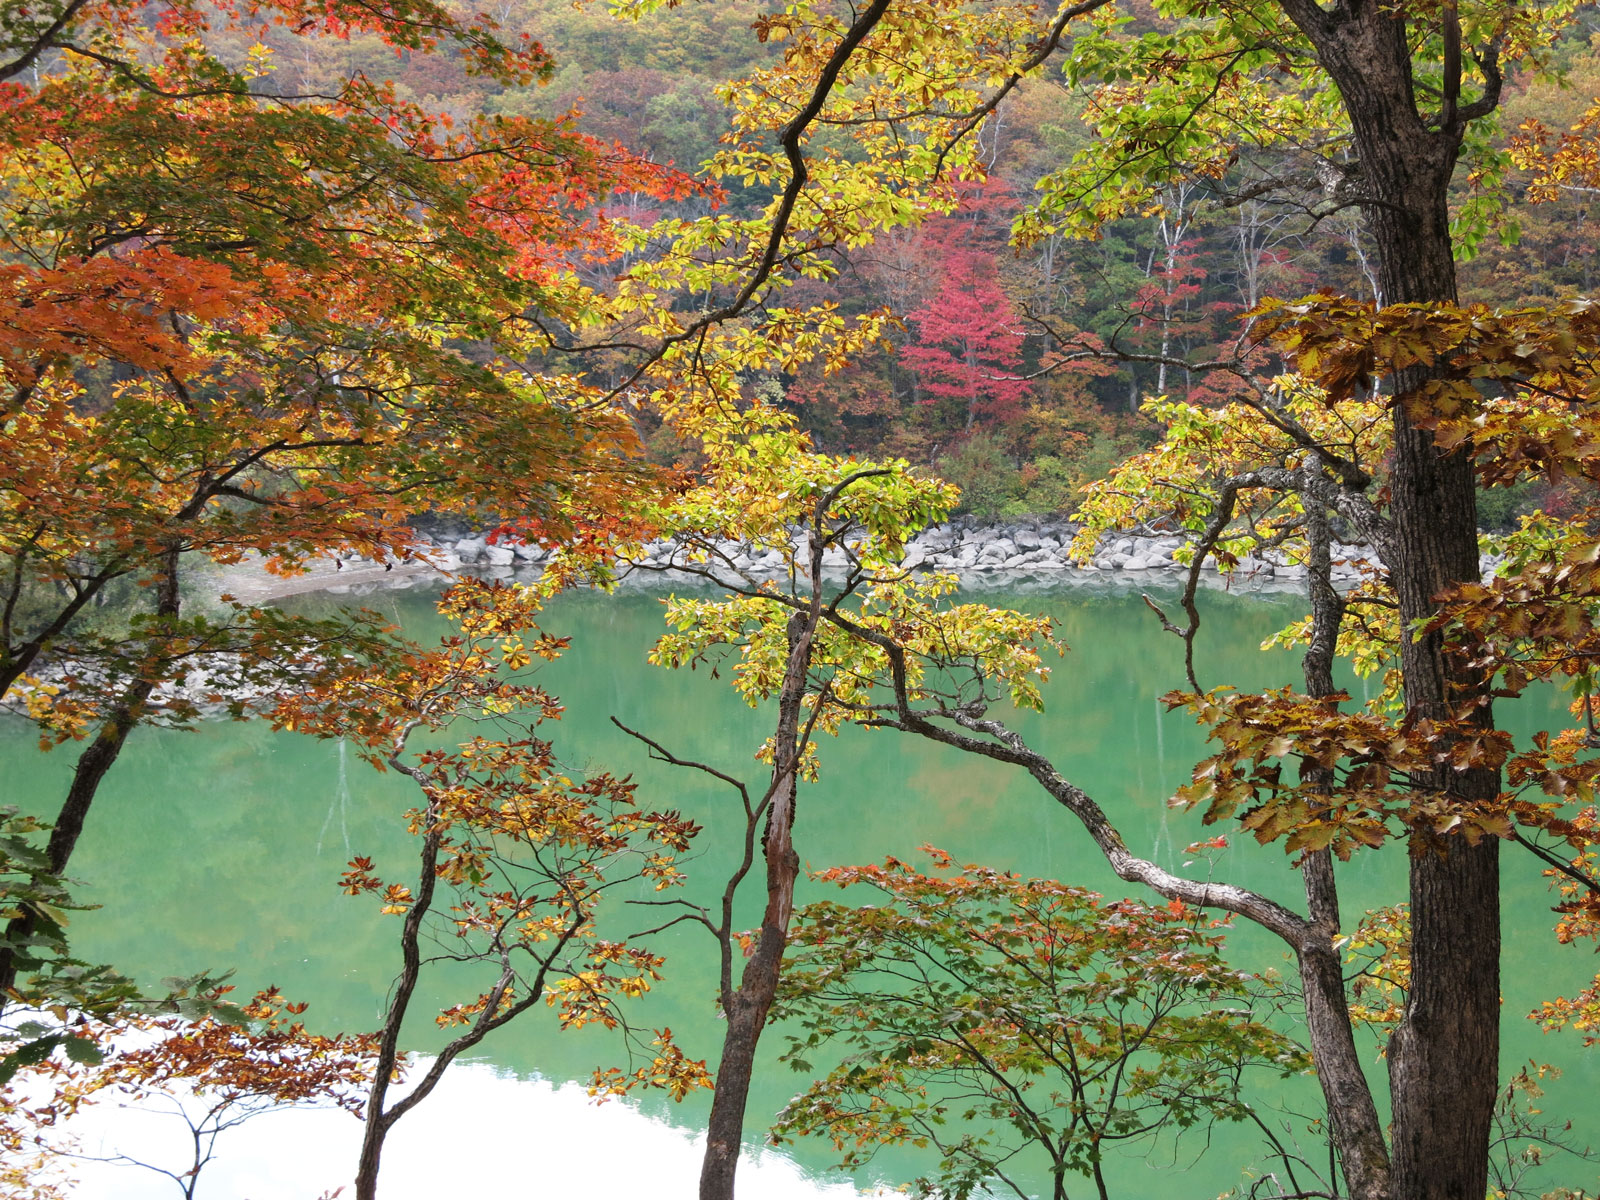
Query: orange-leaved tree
x=239 y=318
x=516 y=856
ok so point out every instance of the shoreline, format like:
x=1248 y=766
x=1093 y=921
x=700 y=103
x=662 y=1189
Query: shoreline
x=1027 y=554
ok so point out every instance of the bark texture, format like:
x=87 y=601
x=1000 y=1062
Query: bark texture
x=1358 y=1135
x=1444 y=1058
x=746 y=1011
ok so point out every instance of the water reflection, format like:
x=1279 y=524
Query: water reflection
x=202 y=849
x=483 y=1129
x=341 y=801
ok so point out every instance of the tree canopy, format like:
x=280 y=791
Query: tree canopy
x=278 y=279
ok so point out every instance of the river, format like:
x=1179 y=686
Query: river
x=222 y=848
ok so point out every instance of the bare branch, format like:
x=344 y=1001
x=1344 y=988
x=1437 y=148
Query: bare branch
x=790 y=138
x=44 y=40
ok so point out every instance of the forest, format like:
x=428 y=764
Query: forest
x=655 y=289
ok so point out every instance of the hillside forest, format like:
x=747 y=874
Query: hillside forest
x=971 y=381
x=983 y=375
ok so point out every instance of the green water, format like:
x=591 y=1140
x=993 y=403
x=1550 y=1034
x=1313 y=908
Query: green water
x=222 y=848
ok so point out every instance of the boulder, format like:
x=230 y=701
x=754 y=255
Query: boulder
x=1250 y=565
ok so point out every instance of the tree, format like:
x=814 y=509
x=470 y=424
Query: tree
x=527 y=853
x=991 y=1017
x=1382 y=106
x=1185 y=95
x=760 y=483
x=969 y=344
x=235 y=1067
x=250 y=318
x=245 y=319
x=1237 y=490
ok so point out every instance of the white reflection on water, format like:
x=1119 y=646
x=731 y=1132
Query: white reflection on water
x=483 y=1132
x=341 y=801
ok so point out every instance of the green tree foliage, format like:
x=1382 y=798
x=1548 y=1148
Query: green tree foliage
x=994 y=1020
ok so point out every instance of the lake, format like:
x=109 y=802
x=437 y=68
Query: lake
x=222 y=849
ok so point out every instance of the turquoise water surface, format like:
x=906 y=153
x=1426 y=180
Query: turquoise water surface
x=222 y=849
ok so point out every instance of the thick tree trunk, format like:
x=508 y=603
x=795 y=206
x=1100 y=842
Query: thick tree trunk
x=748 y=1007
x=1444 y=1058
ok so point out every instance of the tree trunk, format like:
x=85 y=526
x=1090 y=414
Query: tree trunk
x=1356 y=1130
x=1444 y=1058
x=92 y=766
x=747 y=1011
x=378 y=1119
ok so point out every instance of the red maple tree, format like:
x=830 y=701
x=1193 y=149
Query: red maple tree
x=969 y=343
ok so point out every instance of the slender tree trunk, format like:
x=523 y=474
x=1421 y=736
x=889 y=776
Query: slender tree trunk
x=747 y=1012
x=378 y=1119
x=1357 y=1132
x=92 y=766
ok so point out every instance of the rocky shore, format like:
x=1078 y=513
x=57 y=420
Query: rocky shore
x=982 y=552
x=1027 y=554
x=1017 y=556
